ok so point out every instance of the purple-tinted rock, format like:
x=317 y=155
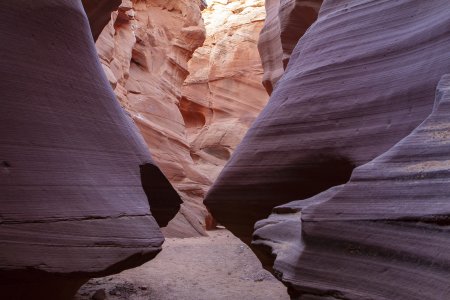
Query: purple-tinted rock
x=286 y=22
x=296 y=16
x=361 y=78
x=73 y=167
x=383 y=235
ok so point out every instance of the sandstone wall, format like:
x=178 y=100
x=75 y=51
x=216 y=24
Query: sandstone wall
x=361 y=79
x=223 y=93
x=191 y=129
x=286 y=22
x=384 y=234
x=74 y=170
x=144 y=51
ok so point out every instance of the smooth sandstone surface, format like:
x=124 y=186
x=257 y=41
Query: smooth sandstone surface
x=144 y=51
x=74 y=171
x=384 y=234
x=346 y=98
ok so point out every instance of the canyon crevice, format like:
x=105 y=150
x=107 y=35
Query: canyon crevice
x=316 y=131
x=223 y=95
x=185 y=108
x=144 y=51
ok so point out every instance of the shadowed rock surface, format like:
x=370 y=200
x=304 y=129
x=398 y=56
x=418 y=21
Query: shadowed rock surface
x=286 y=22
x=72 y=201
x=383 y=235
x=99 y=13
x=361 y=79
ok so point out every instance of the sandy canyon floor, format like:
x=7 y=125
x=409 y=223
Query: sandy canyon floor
x=216 y=267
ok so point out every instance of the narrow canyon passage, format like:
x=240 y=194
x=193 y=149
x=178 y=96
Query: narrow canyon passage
x=193 y=91
x=225 y=149
x=190 y=77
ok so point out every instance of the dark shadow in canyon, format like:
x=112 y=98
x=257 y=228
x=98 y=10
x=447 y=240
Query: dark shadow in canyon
x=302 y=181
x=99 y=13
x=37 y=284
x=164 y=201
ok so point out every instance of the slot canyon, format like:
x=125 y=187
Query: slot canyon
x=225 y=149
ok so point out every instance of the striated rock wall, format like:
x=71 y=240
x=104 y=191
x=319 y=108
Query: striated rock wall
x=74 y=171
x=384 y=234
x=191 y=129
x=144 y=51
x=286 y=22
x=361 y=79
x=223 y=93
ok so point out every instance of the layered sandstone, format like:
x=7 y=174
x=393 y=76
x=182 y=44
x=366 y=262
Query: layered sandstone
x=286 y=22
x=74 y=170
x=384 y=234
x=361 y=78
x=144 y=51
x=223 y=93
x=191 y=129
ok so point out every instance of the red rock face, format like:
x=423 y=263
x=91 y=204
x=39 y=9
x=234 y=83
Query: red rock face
x=73 y=168
x=360 y=79
x=144 y=51
x=223 y=93
x=286 y=22
x=191 y=125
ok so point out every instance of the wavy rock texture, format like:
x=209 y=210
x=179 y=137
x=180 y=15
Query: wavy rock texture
x=73 y=167
x=383 y=235
x=223 y=94
x=286 y=22
x=144 y=51
x=345 y=98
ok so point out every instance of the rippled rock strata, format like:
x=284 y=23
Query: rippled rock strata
x=286 y=22
x=223 y=93
x=73 y=168
x=360 y=79
x=383 y=235
x=144 y=51
x=199 y=119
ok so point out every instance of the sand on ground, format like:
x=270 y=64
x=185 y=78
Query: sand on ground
x=205 y=268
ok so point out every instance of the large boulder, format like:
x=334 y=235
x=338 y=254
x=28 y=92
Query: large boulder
x=74 y=171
